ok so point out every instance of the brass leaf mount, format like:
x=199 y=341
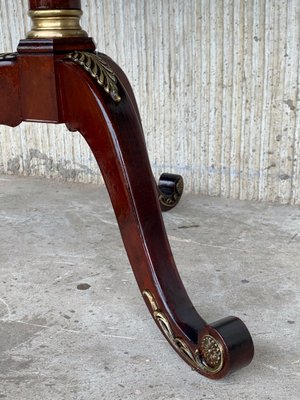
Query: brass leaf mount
x=96 y=66
x=208 y=358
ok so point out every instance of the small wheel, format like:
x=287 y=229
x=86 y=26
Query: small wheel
x=170 y=189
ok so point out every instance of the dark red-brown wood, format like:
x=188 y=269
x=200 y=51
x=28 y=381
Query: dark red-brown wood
x=40 y=83
x=54 y=4
x=115 y=136
x=10 y=106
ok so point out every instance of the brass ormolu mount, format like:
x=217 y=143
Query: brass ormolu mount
x=55 y=24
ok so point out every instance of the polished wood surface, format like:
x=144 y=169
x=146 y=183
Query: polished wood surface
x=54 y=4
x=43 y=82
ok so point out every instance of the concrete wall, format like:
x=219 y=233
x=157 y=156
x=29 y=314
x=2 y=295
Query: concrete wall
x=218 y=87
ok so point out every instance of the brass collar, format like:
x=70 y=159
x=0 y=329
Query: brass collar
x=55 y=24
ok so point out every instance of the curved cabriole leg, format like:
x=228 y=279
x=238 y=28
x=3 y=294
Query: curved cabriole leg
x=170 y=186
x=112 y=128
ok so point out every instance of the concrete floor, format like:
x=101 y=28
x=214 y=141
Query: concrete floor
x=58 y=342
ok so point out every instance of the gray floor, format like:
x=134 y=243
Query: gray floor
x=59 y=342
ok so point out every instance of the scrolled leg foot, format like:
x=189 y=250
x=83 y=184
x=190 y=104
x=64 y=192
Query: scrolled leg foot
x=221 y=348
x=224 y=346
x=170 y=189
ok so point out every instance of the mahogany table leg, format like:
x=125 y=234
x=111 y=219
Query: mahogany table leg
x=60 y=79
x=170 y=186
x=10 y=109
x=113 y=131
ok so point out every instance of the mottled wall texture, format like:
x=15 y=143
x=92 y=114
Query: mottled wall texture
x=217 y=82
